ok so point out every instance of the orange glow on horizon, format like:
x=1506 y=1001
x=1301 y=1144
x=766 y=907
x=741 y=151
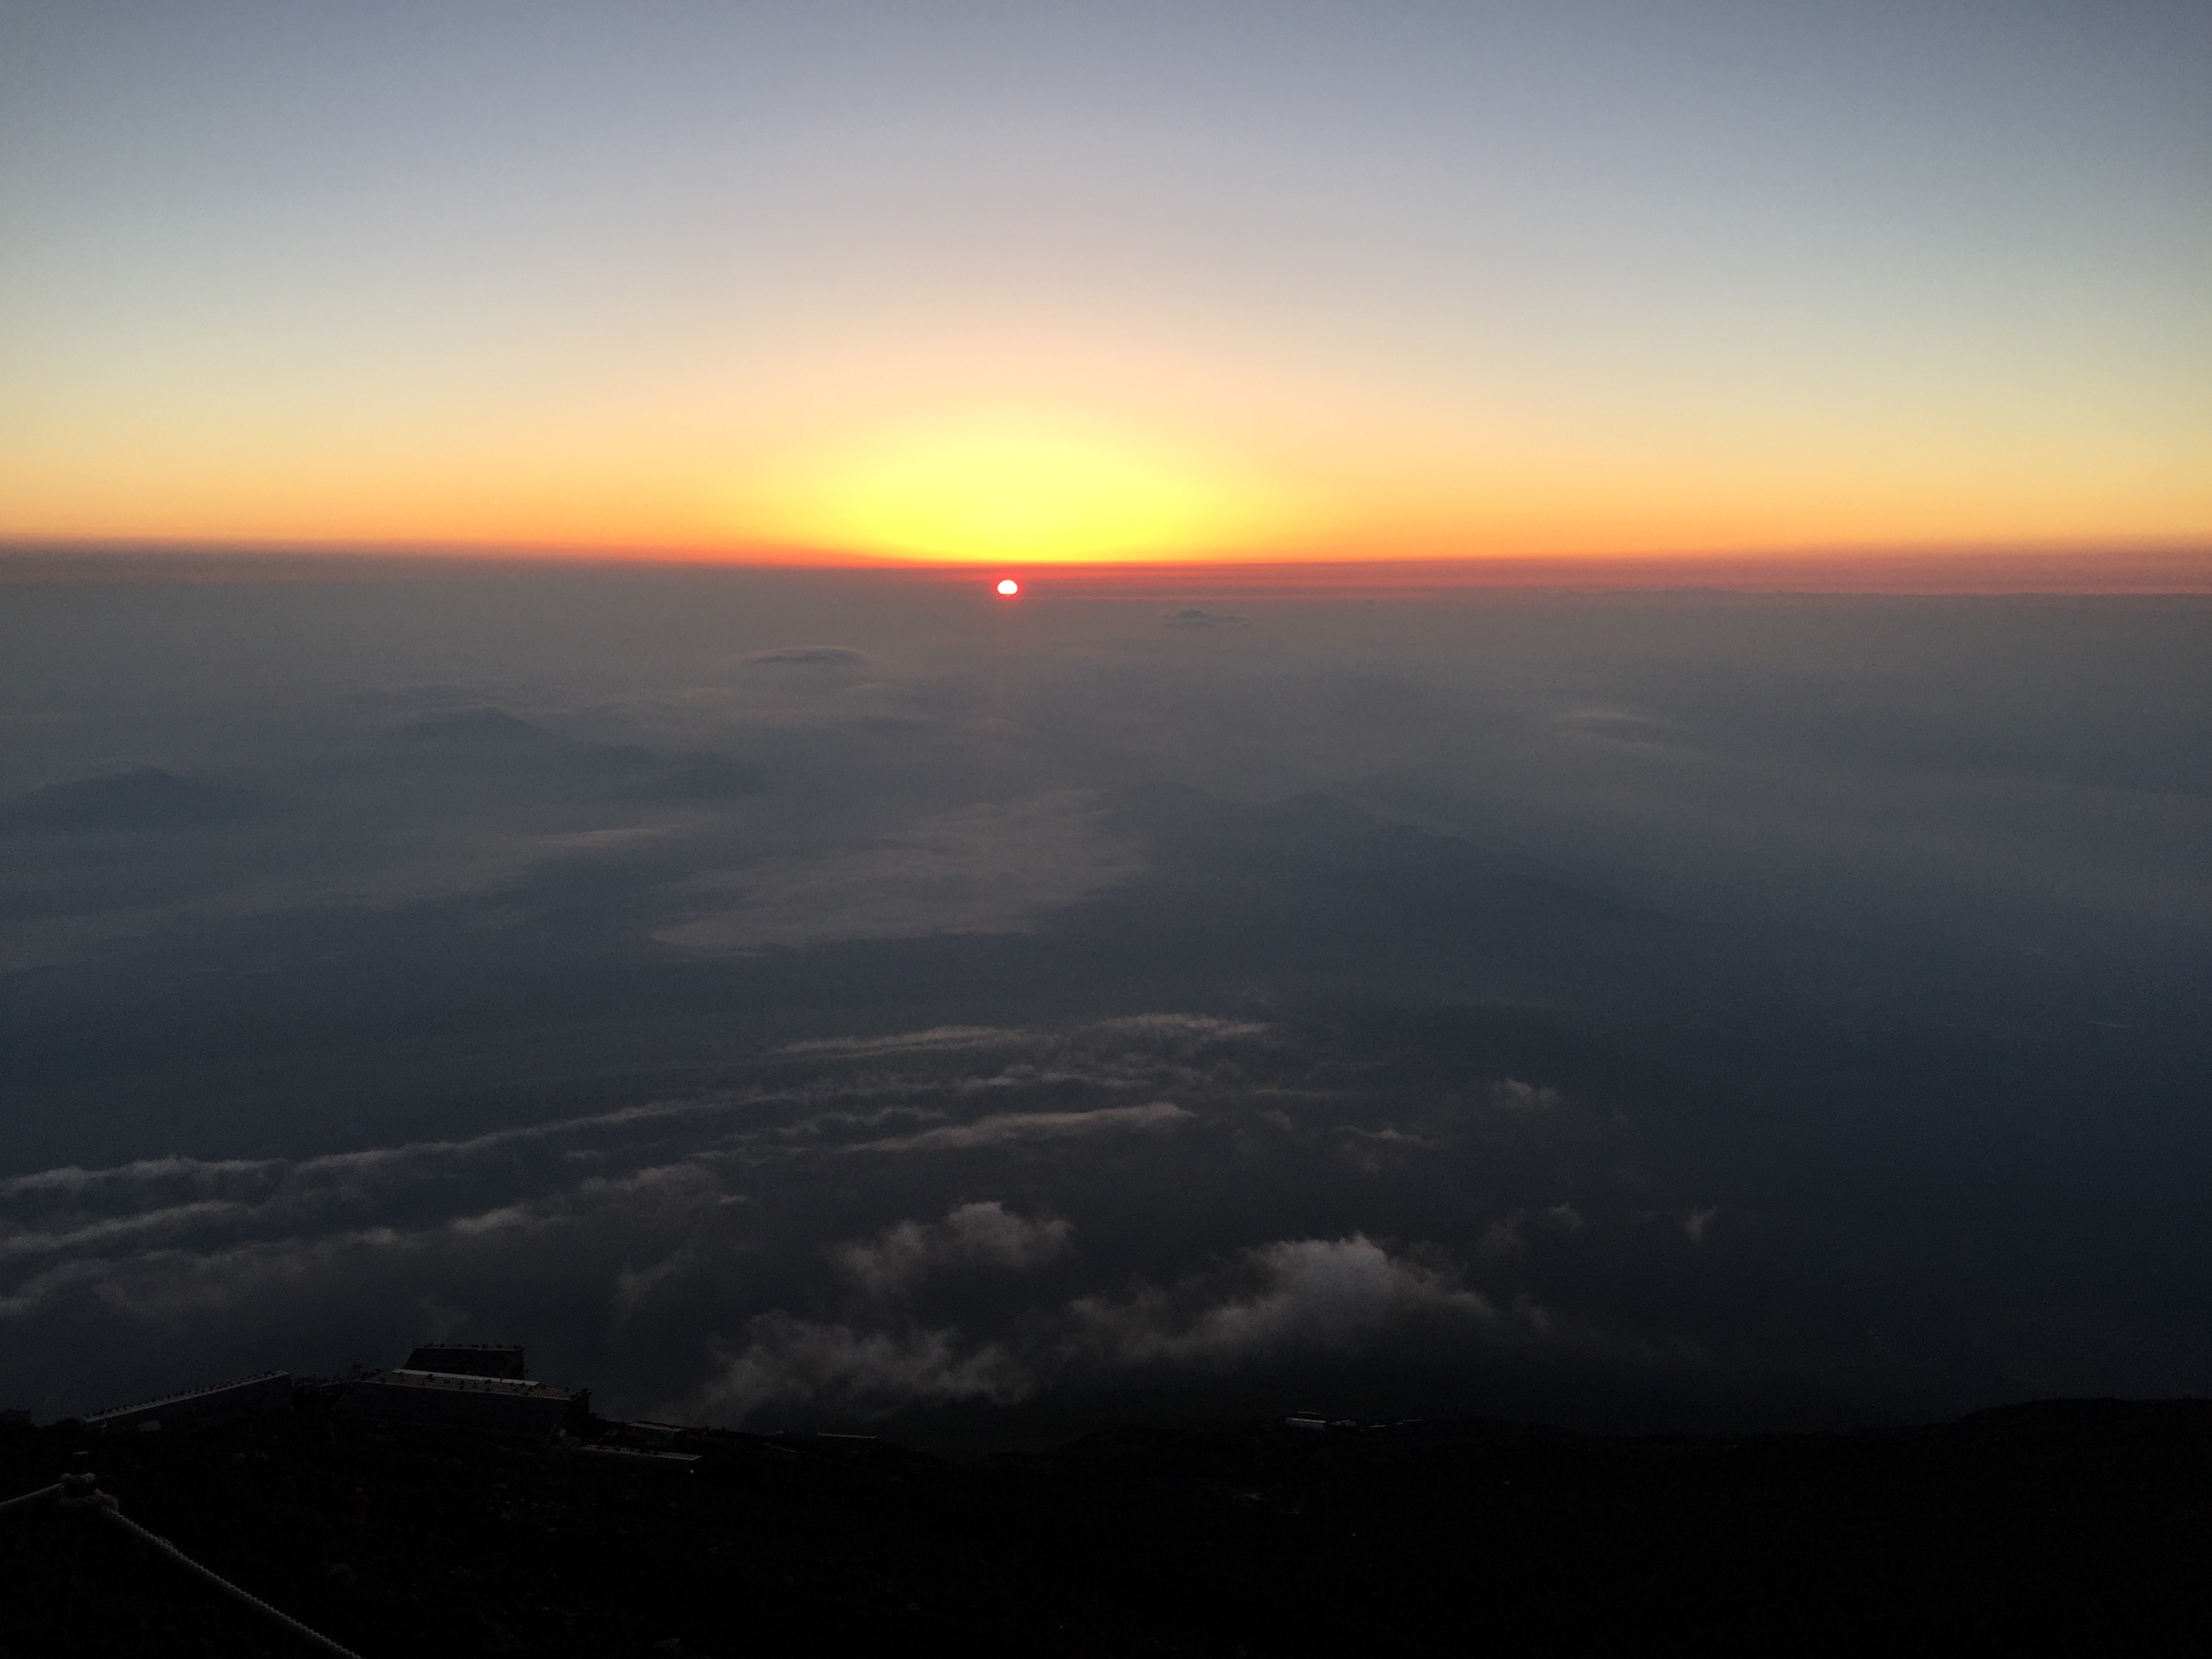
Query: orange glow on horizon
x=2109 y=570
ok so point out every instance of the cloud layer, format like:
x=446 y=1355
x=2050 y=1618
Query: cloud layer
x=795 y=998
x=685 y=1252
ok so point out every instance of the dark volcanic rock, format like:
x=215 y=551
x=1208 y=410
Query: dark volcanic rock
x=2076 y=1526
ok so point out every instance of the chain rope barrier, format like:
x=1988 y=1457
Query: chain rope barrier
x=82 y=1491
x=34 y=1497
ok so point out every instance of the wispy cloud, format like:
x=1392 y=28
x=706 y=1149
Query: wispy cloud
x=941 y=1039
x=1005 y=1126
x=810 y=1238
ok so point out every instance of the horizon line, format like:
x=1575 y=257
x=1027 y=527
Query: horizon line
x=2115 y=569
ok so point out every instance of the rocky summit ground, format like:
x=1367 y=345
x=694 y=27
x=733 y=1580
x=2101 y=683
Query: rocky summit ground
x=2074 y=1527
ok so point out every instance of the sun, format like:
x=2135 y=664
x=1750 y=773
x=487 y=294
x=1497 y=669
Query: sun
x=1008 y=587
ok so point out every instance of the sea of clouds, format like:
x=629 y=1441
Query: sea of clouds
x=782 y=999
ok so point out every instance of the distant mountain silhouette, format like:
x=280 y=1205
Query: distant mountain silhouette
x=489 y=727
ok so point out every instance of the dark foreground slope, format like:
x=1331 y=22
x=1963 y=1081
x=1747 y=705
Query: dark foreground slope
x=2084 y=1528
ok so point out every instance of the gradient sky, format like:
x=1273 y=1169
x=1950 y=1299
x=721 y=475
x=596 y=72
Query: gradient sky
x=1064 y=281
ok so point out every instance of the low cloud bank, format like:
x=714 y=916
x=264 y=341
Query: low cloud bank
x=986 y=869
x=783 y=1361
x=1290 y=1300
x=1328 y=1294
x=979 y=1235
